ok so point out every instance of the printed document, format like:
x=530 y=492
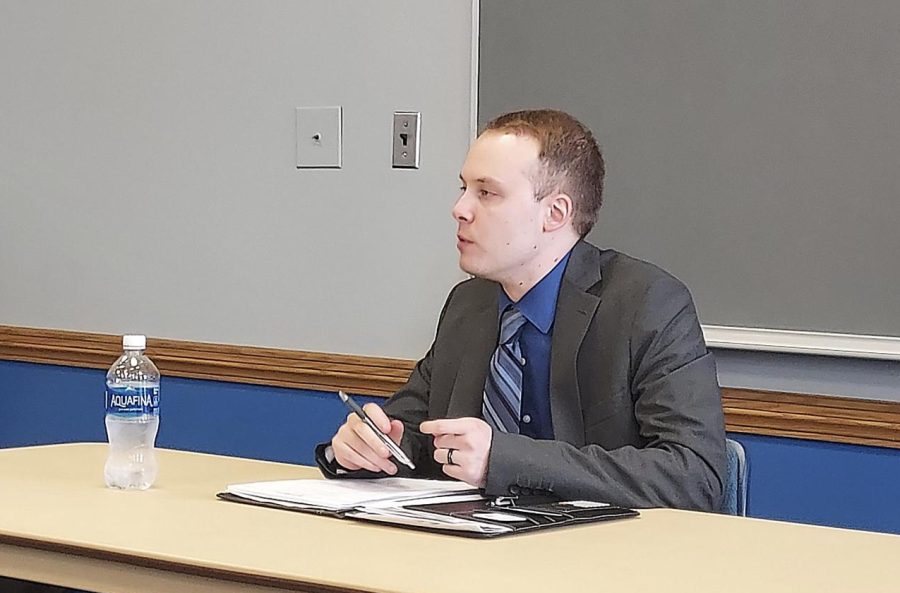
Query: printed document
x=345 y=495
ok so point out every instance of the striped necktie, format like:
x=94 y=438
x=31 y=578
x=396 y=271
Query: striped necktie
x=502 y=403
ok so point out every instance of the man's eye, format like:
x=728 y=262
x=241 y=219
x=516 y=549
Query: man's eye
x=484 y=193
x=462 y=188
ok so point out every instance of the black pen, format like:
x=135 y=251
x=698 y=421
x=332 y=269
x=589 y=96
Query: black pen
x=396 y=451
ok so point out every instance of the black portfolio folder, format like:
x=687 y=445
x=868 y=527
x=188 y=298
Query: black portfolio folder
x=508 y=515
x=528 y=514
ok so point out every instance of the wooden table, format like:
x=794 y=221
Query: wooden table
x=60 y=525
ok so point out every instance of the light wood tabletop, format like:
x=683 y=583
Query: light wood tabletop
x=59 y=524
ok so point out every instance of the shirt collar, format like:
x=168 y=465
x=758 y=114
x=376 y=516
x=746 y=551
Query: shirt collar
x=538 y=305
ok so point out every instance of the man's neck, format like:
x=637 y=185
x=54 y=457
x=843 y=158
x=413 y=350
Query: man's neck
x=518 y=286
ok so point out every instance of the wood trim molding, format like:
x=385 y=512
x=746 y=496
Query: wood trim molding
x=217 y=362
x=813 y=417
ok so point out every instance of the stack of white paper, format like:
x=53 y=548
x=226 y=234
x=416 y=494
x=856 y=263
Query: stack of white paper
x=383 y=499
x=344 y=495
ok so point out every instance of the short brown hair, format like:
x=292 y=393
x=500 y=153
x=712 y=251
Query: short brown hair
x=570 y=159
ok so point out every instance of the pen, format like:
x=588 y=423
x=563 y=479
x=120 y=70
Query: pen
x=396 y=451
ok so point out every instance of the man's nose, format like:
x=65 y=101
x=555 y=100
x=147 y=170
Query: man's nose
x=461 y=211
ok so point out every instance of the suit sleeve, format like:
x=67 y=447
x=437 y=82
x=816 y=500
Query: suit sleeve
x=678 y=410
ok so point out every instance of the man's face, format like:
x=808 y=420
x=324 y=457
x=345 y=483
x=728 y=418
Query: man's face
x=500 y=222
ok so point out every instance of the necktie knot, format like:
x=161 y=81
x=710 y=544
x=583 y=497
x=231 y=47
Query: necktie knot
x=511 y=323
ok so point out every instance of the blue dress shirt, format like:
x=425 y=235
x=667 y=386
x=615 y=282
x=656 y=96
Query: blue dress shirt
x=538 y=306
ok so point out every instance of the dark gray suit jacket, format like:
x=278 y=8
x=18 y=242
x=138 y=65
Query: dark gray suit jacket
x=635 y=404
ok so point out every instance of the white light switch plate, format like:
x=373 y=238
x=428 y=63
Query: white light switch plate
x=318 y=137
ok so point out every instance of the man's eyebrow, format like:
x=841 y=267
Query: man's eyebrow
x=488 y=180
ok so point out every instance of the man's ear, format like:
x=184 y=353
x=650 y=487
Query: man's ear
x=560 y=210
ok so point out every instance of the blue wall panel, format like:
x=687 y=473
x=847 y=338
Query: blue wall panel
x=790 y=479
x=42 y=404
x=823 y=483
x=49 y=404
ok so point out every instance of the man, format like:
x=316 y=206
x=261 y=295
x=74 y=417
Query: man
x=560 y=368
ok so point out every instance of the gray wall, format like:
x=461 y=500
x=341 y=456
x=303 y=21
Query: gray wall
x=751 y=150
x=148 y=180
x=176 y=121
x=752 y=146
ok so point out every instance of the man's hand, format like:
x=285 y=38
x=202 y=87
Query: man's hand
x=467 y=441
x=355 y=446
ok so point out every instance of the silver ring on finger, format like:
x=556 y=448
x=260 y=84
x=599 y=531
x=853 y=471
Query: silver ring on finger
x=450 y=456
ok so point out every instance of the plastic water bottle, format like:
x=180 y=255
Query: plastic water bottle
x=132 y=417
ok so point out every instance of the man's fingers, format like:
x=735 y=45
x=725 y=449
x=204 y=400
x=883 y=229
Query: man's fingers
x=462 y=447
x=450 y=441
x=371 y=447
x=396 y=433
x=358 y=438
x=378 y=417
x=367 y=435
x=349 y=458
x=460 y=468
x=447 y=426
x=455 y=472
x=388 y=467
x=445 y=457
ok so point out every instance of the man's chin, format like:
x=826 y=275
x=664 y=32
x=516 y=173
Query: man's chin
x=469 y=267
x=473 y=269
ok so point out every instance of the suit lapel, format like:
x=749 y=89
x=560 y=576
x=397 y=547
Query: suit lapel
x=480 y=340
x=575 y=309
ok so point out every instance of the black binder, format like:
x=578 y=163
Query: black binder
x=513 y=514
x=534 y=513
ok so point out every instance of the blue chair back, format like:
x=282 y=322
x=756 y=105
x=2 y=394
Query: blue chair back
x=735 y=499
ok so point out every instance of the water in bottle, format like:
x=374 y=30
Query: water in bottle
x=132 y=417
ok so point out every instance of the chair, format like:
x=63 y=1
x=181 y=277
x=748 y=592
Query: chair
x=735 y=499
